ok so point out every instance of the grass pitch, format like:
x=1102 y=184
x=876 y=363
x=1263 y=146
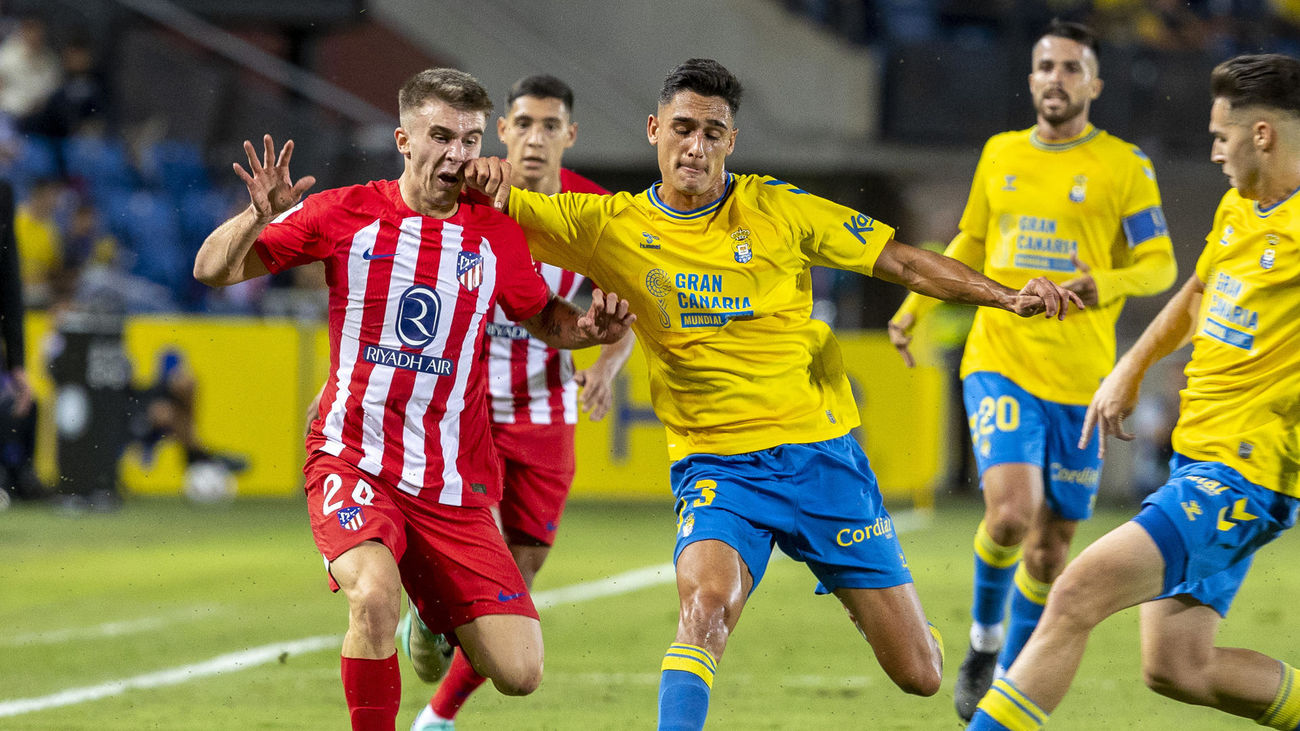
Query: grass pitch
x=168 y=616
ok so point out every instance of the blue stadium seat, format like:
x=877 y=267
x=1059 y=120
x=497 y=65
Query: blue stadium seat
x=37 y=158
x=98 y=163
x=153 y=234
x=176 y=167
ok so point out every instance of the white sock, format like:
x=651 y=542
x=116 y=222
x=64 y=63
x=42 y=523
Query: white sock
x=427 y=716
x=987 y=637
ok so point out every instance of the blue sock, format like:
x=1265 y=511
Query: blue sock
x=684 y=687
x=1026 y=609
x=994 y=567
x=982 y=721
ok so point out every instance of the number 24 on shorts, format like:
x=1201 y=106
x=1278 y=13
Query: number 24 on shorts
x=362 y=494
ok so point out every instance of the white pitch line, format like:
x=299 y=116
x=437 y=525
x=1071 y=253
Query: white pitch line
x=216 y=666
x=110 y=629
x=623 y=583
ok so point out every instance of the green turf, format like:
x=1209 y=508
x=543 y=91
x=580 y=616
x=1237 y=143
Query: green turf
x=217 y=581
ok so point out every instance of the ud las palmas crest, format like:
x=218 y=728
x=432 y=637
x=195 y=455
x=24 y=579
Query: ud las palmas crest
x=741 y=249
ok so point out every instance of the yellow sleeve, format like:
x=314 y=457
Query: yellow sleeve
x=975 y=217
x=830 y=234
x=964 y=248
x=561 y=229
x=1152 y=268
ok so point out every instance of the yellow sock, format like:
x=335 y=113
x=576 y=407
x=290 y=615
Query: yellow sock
x=1005 y=704
x=1284 y=712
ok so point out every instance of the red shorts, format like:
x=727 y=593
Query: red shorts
x=537 y=466
x=453 y=561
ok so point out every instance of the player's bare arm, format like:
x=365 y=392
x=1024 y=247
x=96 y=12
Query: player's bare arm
x=947 y=279
x=966 y=249
x=562 y=325
x=491 y=176
x=1117 y=395
x=227 y=256
x=900 y=336
x=597 y=381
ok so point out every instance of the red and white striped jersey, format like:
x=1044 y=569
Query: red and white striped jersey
x=409 y=299
x=531 y=382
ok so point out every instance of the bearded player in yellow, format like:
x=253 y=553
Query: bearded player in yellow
x=1235 y=484
x=751 y=389
x=1065 y=200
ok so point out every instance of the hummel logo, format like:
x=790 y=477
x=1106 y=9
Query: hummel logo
x=504 y=597
x=371 y=257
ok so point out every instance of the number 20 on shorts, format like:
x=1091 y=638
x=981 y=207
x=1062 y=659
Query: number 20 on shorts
x=1002 y=414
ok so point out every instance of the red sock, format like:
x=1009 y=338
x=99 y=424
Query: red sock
x=461 y=681
x=373 y=689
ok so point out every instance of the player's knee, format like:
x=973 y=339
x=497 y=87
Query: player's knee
x=1007 y=524
x=921 y=677
x=704 y=614
x=520 y=678
x=1182 y=681
x=374 y=608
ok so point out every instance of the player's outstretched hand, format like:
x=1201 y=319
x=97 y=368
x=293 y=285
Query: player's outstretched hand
x=1083 y=285
x=491 y=175
x=1042 y=296
x=270 y=188
x=597 y=394
x=1114 y=400
x=608 y=318
x=900 y=336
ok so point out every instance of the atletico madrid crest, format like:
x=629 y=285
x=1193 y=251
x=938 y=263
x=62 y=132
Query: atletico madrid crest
x=469 y=270
x=351 y=518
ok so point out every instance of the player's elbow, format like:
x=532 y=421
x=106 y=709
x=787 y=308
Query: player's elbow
x=1166 y=275
x=207 y=273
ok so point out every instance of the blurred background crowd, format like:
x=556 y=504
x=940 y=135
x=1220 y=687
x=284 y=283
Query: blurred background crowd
x=119 y=120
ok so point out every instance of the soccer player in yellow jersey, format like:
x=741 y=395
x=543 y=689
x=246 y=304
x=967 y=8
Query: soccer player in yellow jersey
x=751 y=389
x=1065 y=200
x=1235 y=484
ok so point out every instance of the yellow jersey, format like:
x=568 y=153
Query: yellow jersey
x=1241 y=405
x=1033 y=204
x=723 y=298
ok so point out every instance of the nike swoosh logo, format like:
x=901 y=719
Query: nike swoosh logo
x=371 y=257
x=504 y=597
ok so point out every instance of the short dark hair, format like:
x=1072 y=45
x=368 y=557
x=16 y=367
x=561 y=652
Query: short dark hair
x=1077 y=32
x=705 y=77
x=542 y=86
x=1264 y=80
x=455 y=88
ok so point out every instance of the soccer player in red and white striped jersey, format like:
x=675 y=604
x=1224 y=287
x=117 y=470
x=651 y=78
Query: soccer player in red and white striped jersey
x=401 y=472
x=534 y=389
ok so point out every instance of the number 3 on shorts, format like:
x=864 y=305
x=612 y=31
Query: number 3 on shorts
x=707 y=488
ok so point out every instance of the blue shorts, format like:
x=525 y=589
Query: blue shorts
x=1208 y=522
x=819 y=502
x=1008 y=425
